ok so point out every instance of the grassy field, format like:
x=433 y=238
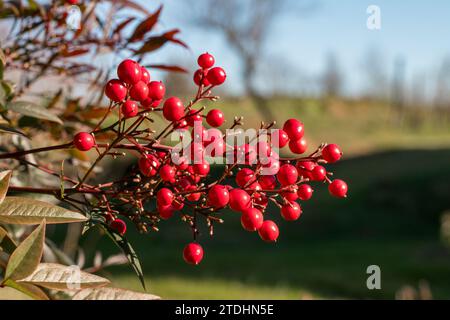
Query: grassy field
x=398 y=170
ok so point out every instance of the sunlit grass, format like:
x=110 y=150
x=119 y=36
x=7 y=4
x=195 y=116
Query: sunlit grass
x=177 y=287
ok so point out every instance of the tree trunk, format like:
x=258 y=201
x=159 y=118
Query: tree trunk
x=262 y=104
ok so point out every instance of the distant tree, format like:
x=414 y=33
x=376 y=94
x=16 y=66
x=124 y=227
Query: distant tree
x=398 y=88
x=376 y=76
x=332 y=79
x=179 y=83
x=442 y=95
x=246 y=26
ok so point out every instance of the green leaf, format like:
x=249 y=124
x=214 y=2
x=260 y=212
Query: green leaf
x=112 y=294
x=25 y=259
x=4 y=183
x=59 y=277
x=33 y=110
x=30 y=290
x=7 y=244
x=8 y=87
x=3 y=95
x=2 y=57
x=19 y=210
x=128 y=250
x=33 y=5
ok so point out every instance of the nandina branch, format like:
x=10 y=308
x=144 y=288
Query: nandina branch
x=19 y=154
x=54 y=191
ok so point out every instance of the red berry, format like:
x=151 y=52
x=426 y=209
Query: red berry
x=205 y=60
x=173 y=109
x=202 y=169
x=254 y=188
x=72 y=2
x=215 y=118
x=145 y=75
x=129 y=109
x=305 y=168
x=291 y=211
x=244 y=176
x=182 y=163
x=193 y=253
x=195 y=196
x=294 y=129
x=252 y=219
x=239 y=200
x=139 y=91
x=304 y=192
x=196 y=152
x=148 y=165
x=273 y=165
x=149 y=103
x=298 y=146
x=269 y=231
x=115 y=90
x=216 y=148
x=200 y=77
x=280 y=138
x=181 y=124
x=218 y=196
x=164 y=197
x=338 y=188
x=178 y=204
x=319 y=173
x=119 y=226
x=161 y=154
x=262 y=201
x=245 y=154
x=194 y=116
x=83 y=141
x=165 y=212
x=287 y=175
x=156 y=90
x=268 y=182
x=216 y=76
x=129 y=71
x=291 y=193
x=331 y=153
x=167 y=173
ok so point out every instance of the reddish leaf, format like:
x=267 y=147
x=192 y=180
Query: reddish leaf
x=122 y=25
x=146 y=25
x=167 y=68
x=170 y=35
x=154 y=43
x=132 y=5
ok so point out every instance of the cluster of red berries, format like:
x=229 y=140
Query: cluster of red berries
x=207 y=75
x=133 y=88
x=180 y=183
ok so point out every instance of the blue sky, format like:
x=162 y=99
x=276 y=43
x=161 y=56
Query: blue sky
x=416 y=30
